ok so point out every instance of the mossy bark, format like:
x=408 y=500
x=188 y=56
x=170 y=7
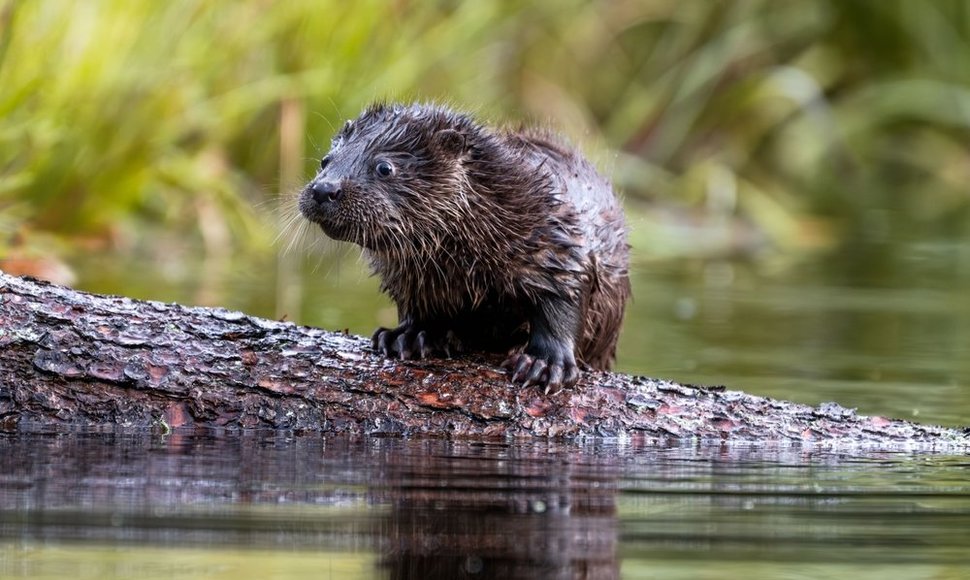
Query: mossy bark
x=70 y=359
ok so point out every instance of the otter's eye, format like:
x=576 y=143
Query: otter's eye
x=384 y=168
x=324 y=162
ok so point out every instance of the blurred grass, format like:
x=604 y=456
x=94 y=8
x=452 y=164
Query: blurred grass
x=736 y=126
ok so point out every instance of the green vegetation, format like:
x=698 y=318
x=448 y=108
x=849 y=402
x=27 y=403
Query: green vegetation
x=121 y=114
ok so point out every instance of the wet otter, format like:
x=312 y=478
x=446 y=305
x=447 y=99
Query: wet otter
x=494 y=240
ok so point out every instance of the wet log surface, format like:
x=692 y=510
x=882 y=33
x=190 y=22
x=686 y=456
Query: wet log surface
x=73 y=359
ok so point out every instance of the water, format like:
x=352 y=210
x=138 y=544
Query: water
x=270 y=506
x=889 y=343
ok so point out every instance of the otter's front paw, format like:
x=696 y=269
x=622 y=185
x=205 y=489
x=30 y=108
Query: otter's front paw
x=409 y=342
x=554 y=368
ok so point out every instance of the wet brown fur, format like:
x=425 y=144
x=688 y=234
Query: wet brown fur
x=483 y=238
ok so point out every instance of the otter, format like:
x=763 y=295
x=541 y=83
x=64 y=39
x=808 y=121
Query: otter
x=496 y=240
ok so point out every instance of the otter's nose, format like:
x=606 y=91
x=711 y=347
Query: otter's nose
x=326 y=191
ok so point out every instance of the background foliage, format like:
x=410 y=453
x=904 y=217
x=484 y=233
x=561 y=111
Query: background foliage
x=797 y=117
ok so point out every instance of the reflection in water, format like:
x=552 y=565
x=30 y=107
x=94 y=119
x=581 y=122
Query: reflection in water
x=361 y=508
x=432 y=509
x=486 y=512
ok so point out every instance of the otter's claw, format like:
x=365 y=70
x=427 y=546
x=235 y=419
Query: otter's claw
x=382 y=340
x=409 y=343
x=554 y=373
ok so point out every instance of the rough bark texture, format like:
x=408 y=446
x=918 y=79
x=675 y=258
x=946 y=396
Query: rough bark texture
x=69 y=358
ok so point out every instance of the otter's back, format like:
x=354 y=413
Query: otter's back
x=593 y=209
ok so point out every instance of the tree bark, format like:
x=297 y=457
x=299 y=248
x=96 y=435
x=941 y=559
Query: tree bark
x=70 y=359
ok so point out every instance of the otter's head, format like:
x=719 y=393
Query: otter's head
x=393 y=179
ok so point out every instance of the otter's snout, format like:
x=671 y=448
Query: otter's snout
x=326 y=192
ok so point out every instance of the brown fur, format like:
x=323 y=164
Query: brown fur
x=485 y=239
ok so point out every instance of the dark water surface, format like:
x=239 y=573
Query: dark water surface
x=268 y=506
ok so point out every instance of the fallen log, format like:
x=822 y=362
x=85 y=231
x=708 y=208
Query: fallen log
x=74 y=359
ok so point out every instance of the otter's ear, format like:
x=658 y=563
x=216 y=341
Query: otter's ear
x=448 y=141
